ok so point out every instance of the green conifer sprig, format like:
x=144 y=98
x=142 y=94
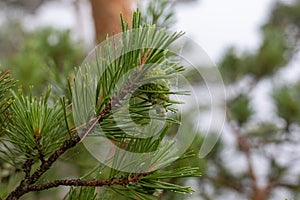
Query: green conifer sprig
x=36 y=129
x=6 y=83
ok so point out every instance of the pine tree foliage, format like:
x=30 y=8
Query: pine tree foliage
x=39 y=131
x=6 y=83
x=36 y=130
x=159 y=12
x=153 y=92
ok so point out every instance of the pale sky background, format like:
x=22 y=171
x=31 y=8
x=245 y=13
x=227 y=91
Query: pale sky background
x=213 y=24
x=216 y=24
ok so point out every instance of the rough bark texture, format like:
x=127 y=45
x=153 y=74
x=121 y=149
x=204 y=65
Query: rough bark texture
x=106 y=14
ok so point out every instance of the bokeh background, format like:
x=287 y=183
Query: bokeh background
x=255 y=45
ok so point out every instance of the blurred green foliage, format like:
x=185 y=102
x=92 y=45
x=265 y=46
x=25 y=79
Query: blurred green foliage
x=231 y=67
x=273 y=54
x=239 y=109
x=43 y=57
x=254 y=135
x=37 y=59
x=287 y=99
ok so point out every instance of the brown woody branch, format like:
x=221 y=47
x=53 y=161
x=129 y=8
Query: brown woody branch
x=27 y=167
x=245 y=147
x=242 y=140
x=95 y=183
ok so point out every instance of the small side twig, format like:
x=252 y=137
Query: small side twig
x=39 y=148
x=27 y=167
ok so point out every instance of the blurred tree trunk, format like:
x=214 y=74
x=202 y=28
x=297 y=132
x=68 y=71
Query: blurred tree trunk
x=259 y=194
x=106 y=14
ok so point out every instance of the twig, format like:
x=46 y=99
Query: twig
x=39 y=147
x=27 y=167
x=245 y=147
x=95 y=183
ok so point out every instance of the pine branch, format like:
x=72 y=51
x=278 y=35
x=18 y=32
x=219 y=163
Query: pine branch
x=27 y=182
x=132 y=79
x=95 y=183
